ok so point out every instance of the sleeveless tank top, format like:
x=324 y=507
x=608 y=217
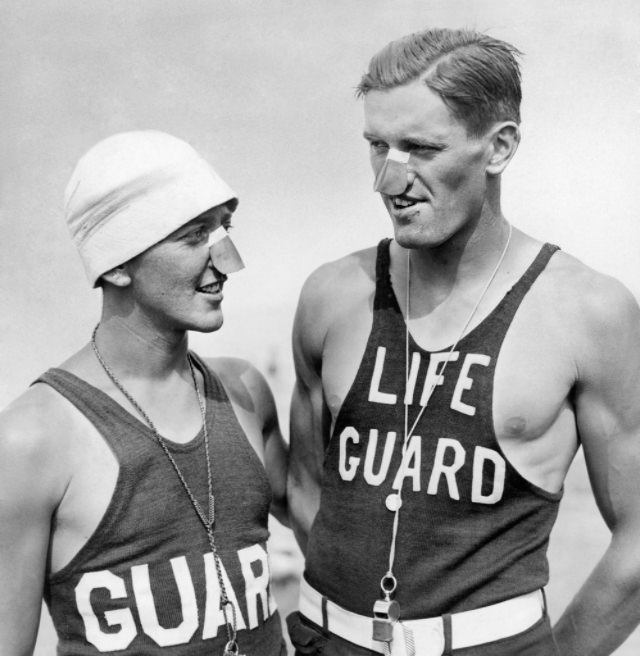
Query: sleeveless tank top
x=145 y=582
x=472 y=531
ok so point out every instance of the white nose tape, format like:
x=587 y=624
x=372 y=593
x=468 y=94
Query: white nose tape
x=392 y=176
x=223 y=252
x=401 y=156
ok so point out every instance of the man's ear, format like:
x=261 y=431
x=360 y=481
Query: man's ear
x=504 y=140
x=118 y=276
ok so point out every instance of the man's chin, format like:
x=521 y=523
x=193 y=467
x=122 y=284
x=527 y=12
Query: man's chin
x=408 y=238
x=412 y=237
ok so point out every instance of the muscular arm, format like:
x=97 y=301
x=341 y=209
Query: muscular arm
x=607 y=608
x=309 y=423
x=30 y=489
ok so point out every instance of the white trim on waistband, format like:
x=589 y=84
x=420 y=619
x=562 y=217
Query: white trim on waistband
x=468 y=628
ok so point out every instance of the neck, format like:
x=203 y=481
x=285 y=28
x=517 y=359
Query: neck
x=141 y=350
x=463 y=259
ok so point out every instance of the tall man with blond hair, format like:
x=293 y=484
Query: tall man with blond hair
x=445 y=380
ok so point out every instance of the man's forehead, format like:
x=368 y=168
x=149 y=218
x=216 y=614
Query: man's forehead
x=411 y=108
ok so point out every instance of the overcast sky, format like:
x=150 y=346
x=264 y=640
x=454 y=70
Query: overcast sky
x=265 y=90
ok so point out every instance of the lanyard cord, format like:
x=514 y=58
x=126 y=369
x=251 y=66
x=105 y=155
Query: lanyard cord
x=388 y=582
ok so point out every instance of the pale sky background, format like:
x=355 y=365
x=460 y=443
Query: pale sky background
x=265 y=90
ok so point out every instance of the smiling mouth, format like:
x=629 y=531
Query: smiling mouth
x=213 y=288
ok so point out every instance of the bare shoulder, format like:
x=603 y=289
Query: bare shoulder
x=26 y=423
x=597 y=313
x=35 y=431
x=331 y=291
x=599 y=300
x=337 y=279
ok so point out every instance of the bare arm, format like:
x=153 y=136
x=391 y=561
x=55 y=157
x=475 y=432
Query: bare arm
x=30 y=489
x=275 y=452
x=309 y=422
x=607 y=608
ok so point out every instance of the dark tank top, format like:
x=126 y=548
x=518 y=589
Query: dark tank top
x=472 y=531
x=145 y=581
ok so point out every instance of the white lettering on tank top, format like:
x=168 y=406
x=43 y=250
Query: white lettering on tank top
x=376 y=478
x=255 y=571
x=348 y=467
x=465 y=383
x=451 y=463
x=177 y=635
x=412 y=378
x=122 y=618
x=411 y=462
x=449 y=459
x=254 y=566
x=448 y=471
x=375 y=395
x=213 y=614
x=481 y=455
x=432 y=379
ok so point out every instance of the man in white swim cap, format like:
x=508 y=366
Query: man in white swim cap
x=136 y=478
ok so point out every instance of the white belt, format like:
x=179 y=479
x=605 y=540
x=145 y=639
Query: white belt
x=468 y=628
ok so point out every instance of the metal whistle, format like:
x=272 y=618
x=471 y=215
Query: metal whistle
x=386 y=612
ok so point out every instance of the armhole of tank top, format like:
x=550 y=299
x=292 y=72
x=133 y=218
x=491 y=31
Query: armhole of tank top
x=516 y=294
x=510 y=305
x=75 y=390
x=58 y=380
x=384 y=299
x=214 y=385
x=383 y=294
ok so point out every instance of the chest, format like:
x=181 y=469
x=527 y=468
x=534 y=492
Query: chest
x=522 y=382
x=100 y=478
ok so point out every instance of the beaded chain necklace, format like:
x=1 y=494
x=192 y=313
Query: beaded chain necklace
x=208 y=520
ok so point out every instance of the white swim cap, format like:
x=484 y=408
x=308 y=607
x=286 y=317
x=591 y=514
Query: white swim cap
x=132 y=190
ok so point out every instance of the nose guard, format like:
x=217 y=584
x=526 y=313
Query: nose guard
x=392 y=176
x=223 y=253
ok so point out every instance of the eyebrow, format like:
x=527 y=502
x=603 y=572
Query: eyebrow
x=411 y=141
x=194 y=224
x=419 y=141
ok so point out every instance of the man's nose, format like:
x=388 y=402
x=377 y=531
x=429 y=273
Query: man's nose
x=393 y=177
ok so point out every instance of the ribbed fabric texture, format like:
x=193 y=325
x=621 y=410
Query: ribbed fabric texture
x=145 y=582
x=472 y=530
